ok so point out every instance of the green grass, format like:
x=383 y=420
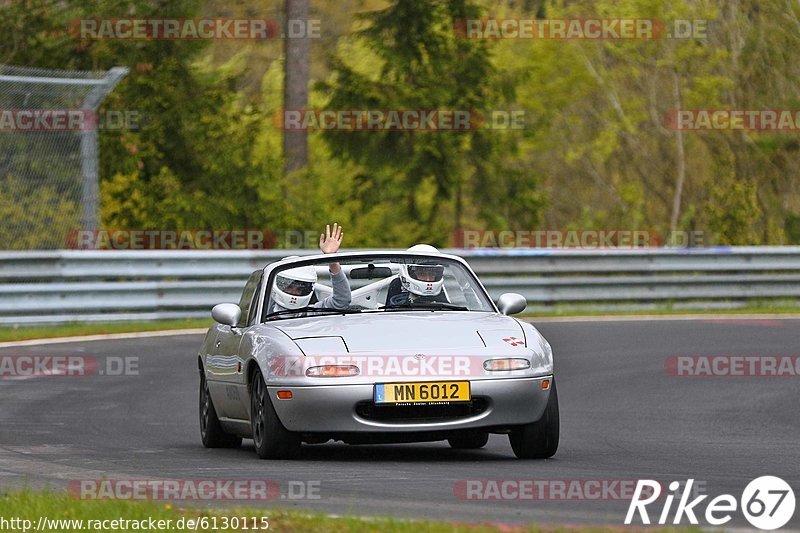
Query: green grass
x=29 y=505
x=71 y=330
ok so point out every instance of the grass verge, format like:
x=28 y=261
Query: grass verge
x=91 y=328
x=66 y=514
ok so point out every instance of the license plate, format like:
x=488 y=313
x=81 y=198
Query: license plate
x=422 y=393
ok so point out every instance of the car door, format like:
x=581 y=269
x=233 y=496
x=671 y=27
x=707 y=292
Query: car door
x=225 y=369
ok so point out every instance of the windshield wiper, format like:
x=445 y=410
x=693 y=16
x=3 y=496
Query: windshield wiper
x=308 y=308
x=426 y=306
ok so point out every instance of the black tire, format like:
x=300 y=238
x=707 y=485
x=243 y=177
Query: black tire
x=469 y=441
x=210 y=429
x=271 y=439
x=538 y=440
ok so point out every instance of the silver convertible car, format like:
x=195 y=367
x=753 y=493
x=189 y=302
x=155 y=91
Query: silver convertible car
x=378 y=347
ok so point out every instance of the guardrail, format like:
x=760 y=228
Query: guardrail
x=70 y=286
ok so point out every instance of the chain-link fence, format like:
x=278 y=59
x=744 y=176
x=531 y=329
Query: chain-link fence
x=49 y=180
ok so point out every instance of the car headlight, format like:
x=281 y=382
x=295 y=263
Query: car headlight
x=332 y=371
x=505 y=364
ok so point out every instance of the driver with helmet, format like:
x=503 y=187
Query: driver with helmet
x=418 y=282
x=294 y=288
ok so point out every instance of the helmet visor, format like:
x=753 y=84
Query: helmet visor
x=294 y=287
x=427 y=273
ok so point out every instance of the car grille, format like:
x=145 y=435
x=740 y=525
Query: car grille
x=417 y=413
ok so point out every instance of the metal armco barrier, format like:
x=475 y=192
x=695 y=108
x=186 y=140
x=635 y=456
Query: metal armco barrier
x=70 y=286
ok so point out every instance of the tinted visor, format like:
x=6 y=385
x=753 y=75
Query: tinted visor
x=294 y=287
x=427 y=273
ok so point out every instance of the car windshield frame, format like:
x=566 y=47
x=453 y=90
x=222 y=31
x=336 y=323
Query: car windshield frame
x=352 y=259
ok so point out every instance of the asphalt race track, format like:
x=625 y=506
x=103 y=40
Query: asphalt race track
x=623 y=418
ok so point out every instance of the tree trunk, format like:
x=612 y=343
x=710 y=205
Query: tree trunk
x=295 y=82
x=457 y=229
x=681 y=162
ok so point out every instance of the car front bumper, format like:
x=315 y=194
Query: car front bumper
x=335 y=409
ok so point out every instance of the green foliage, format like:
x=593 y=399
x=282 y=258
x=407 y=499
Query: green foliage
x=419 y=185
x=24 y=212
x=792 y=226
x=594 y=151
x=733 y=213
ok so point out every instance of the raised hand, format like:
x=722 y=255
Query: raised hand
x=330 y=241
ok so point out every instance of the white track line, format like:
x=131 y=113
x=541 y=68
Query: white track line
x=104 y=337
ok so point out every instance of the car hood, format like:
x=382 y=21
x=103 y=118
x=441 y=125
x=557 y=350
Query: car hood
x=401 y=332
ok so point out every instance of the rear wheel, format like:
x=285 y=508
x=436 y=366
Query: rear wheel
x=272 y=440
x=210 y=429
x=469 y=441
x=538 y=440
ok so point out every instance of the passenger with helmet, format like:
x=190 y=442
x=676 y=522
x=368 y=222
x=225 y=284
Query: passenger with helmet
x=420 y=281
x=294 y=288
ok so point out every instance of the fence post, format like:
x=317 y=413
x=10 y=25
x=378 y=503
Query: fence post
x=40 y=161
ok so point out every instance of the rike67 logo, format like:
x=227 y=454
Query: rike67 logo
x=767 y=502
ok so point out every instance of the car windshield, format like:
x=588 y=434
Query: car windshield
x=373 y=284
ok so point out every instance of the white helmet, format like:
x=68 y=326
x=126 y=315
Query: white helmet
x=423 y=249
x=424 y=279
x=294 y=287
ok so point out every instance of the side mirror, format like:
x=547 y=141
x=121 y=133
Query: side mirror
x=511 y=303
x=227 y=314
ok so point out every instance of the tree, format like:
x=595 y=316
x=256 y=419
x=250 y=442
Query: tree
x=410 y=58
x=297 y=64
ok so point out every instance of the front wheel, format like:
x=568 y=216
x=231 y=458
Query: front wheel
x=272 y=440
x=210 y=429
x=538 y=440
